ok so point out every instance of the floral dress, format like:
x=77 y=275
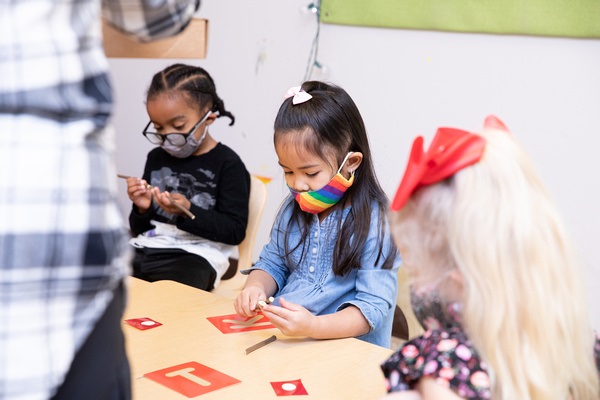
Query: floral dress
x=443 y=353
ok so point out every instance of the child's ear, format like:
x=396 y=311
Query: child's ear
x=354 y=161
x=211 y=118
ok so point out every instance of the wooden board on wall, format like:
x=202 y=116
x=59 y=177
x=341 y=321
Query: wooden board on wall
x=191 y=43
x=559 y=18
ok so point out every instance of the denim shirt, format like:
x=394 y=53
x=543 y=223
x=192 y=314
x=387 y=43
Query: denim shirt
x=313 y=285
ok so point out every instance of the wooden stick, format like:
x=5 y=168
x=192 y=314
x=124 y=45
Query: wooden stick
x=148 y=186
x=262 y=303
x=182 y=208
x=260 y=344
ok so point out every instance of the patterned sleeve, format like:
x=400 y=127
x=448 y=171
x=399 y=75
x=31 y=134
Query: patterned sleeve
x=148 y=20
x=445 y=356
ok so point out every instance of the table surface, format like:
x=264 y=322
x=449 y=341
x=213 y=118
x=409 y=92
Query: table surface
x=329 y=369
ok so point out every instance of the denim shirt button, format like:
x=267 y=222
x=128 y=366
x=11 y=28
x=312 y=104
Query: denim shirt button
x=314 y=250
x=311 y=269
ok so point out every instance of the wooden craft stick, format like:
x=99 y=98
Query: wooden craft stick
x=260 y=344
x=263 y=303
x=182 y=208
x=148 y=186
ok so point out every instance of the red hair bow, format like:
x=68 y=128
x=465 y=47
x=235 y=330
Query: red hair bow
x=450 y=151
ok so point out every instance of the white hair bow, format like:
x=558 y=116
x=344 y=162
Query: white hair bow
x=299 y=95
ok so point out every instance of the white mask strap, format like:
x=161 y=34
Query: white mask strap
x=344 y=162
x=205 y=128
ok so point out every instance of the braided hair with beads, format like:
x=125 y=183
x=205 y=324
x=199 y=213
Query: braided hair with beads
x=193 y=81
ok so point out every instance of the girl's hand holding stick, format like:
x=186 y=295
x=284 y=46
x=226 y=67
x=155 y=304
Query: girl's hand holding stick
x=179 y=206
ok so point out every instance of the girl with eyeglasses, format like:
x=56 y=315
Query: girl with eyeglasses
x=190 y=208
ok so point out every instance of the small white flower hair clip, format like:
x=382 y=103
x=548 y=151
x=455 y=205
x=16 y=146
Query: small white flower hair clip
x=299 y=95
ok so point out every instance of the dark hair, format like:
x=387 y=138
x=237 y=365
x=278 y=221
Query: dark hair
x=337 y=128
x=193 y=81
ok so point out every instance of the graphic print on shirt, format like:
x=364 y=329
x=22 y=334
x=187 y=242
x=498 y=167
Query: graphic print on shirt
x=200 y=192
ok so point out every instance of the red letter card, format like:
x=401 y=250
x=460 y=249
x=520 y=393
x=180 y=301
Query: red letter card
x=234 y=323
x=143 y=323
x=191 y=379
x=289 y=388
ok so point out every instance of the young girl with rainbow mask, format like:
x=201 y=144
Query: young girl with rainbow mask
x=187 y=171
x=330 y=261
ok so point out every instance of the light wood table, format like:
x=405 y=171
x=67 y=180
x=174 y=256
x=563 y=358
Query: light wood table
x=329 y=369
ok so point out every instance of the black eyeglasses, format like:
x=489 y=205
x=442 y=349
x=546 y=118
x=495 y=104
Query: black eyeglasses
x=176 y=139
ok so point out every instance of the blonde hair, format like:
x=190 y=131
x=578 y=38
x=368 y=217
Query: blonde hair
x=524 y=299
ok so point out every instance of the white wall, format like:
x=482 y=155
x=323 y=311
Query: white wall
x=547 y=91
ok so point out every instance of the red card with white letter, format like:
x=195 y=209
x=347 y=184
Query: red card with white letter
x=143 y=323
x=191 y=379
x=289 y=388
x=234 y=323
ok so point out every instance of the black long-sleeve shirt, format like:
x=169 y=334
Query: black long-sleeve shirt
x=216 y=183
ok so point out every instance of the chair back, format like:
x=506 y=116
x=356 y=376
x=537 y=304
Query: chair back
x=256 y=206
x=406 y=323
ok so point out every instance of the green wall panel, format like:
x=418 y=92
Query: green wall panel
x=562 y=18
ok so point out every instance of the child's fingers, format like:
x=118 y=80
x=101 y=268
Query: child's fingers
x=278 y=312
x=135 y=187
x=178 y=197
x=162 y=200
x=261 y=303
x=139 y=194
x=283 y=319
x=178 y=207
x=143 y=185
x=242 y=307
x=245 y=303
x=168 y=202
x=274 y=317
x=140 y=191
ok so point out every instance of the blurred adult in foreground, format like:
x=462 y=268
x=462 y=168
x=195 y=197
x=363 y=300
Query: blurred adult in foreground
x=63 y=247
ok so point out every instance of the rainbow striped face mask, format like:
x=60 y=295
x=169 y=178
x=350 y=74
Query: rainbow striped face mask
x=317 y=201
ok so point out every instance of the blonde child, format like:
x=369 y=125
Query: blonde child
x=330 y=262
x=188 y=171
x=495 y=282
